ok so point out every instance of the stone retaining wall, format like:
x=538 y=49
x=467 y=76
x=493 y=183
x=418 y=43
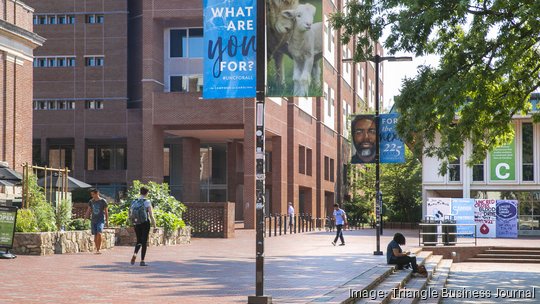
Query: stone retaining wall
x=47 y=243
x=125 y=236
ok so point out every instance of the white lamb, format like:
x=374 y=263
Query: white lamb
x=305 y=47
x=278 y=32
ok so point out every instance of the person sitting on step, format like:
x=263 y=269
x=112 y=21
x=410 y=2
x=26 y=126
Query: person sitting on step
x=396 y=256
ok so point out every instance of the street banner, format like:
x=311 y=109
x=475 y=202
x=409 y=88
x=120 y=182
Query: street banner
x=364 y=136
x=438 y=207
x=391 y=147
x=230 y=48
x=503 y=163
x=8 y=216
x=294 y=33
x=507 y=220
x=485 y=217
x=463 y=212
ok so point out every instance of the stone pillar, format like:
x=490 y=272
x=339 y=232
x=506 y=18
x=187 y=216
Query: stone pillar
x=249 y=165
x=191 y=151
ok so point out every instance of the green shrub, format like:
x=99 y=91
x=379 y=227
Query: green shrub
x=26 y=221
x=63 y=214
x=168 y=220
x=119 y=218
x=79 y=224
x=36 y=194
x=45 y=216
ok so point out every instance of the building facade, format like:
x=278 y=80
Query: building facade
x=508 y=172
x=17 y=44
x=118 y=98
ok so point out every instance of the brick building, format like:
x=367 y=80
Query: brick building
x=118 y=97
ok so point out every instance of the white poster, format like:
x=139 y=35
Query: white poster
x=438 y=207
x=485 y=217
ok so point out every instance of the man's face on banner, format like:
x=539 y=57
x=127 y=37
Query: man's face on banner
x=365 y=135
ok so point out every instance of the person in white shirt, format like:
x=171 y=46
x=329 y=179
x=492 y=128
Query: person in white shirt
x=340 y=219
x=290 y=214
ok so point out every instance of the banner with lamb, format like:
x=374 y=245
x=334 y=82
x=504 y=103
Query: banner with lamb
x=230 y=48
x=294 y=48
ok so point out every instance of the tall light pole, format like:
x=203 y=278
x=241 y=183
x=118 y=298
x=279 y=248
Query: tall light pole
x=377 y=59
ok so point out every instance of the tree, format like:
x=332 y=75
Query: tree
x=401 y=185
x=489 y=66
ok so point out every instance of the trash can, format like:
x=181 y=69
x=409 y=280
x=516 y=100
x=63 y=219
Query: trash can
x=429 y=236
x=449 y=233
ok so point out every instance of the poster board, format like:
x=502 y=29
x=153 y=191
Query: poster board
x=485 y=217
x=438 y=207
x=507 y=223
x=463 y=211
x=8 y=218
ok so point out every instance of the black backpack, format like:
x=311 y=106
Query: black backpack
x=138 y=213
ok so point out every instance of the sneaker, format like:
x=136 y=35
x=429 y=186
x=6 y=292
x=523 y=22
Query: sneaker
x=133 y=260
x=342 y=244
x=143 y=263
x=334 y=243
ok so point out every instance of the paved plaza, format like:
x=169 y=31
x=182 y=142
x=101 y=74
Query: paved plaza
x=298 y=269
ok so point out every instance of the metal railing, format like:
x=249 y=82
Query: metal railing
x=281 y=224
x=446 y=235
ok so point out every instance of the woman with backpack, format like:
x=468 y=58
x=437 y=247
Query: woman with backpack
x=141 y=214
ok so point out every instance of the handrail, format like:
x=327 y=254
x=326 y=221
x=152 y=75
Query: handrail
x=445 y=233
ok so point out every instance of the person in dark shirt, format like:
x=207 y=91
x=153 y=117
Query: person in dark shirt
x=396 y=256
x=97 y=206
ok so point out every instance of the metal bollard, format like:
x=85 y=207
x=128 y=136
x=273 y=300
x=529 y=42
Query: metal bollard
x=275 y=224
x=280 y=223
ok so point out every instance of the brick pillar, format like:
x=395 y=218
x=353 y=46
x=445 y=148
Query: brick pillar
x=279 y=175
x=249 y=165
x=191 y=151
x=152 y=153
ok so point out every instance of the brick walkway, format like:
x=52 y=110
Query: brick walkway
x=298 y=269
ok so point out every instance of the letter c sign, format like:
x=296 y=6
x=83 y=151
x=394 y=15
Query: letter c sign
x=499 y=173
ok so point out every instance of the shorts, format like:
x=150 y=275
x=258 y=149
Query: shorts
x=97 y=227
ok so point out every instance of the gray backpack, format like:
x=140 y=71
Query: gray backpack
x=138 y=213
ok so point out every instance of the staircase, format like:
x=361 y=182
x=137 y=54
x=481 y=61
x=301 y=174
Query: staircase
x=508 y=255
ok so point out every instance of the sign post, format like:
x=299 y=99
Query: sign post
x=8 y=219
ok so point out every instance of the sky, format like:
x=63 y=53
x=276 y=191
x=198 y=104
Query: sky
x=395 y=72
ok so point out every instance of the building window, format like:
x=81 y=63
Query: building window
x=94 y=61
x=61 y=156
x=309 y=162
x=326 y=168
x=36 y=152
x=302 y=160
x=332 y=170
x=187 y=43
x=53 y=19
x=53 y=62
x=106 y=157
x=54 y=105
x=454 y=171
x=188 y=83
x=478 y=172
x=93 y=19
x=94 y=104
x=527 y=150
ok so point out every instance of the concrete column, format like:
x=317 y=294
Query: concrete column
x=191 y=151
x=249 y=165
x=466 y=171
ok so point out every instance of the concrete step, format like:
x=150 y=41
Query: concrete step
x=508 y=256
x=437 y=283
x=503 y=260
x=514 y=251
x=383 y=292
x=412 y=291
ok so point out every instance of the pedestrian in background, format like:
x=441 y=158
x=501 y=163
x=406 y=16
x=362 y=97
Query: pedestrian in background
x=141 y=215
x=100 y=216
x=340 y=218
x=290 y=214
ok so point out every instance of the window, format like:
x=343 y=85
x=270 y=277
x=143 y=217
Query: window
x=54 y=105
x=94 y=104
x=478 y=172
x=92 y=19
x=61 y=156
x=332 y=170
x=106 y=157
x=309 y=162
x=187 y=43
x=94 y=61
x=36 y=152
x=527 y=151
x=53 y=19
x=302 y=160
x=454 y=171
x=326 y=168
x=52 y=62
x=188 y=83
x=268 y=162
x=62 y=19
x=42 y=20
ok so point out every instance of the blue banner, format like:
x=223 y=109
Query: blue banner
x=391 y=147
x=507 y=222
x=463 y=212
x=230 y=48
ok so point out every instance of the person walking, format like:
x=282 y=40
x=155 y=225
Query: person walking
x=100 y=217
x=141 y=214
x=396 y=256
x=340 y=218
x=290 y=214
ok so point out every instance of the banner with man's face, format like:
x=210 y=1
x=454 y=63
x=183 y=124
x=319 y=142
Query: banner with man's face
x=364 y=137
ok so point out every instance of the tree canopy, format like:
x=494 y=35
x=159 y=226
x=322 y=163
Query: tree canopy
x=489 y=65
